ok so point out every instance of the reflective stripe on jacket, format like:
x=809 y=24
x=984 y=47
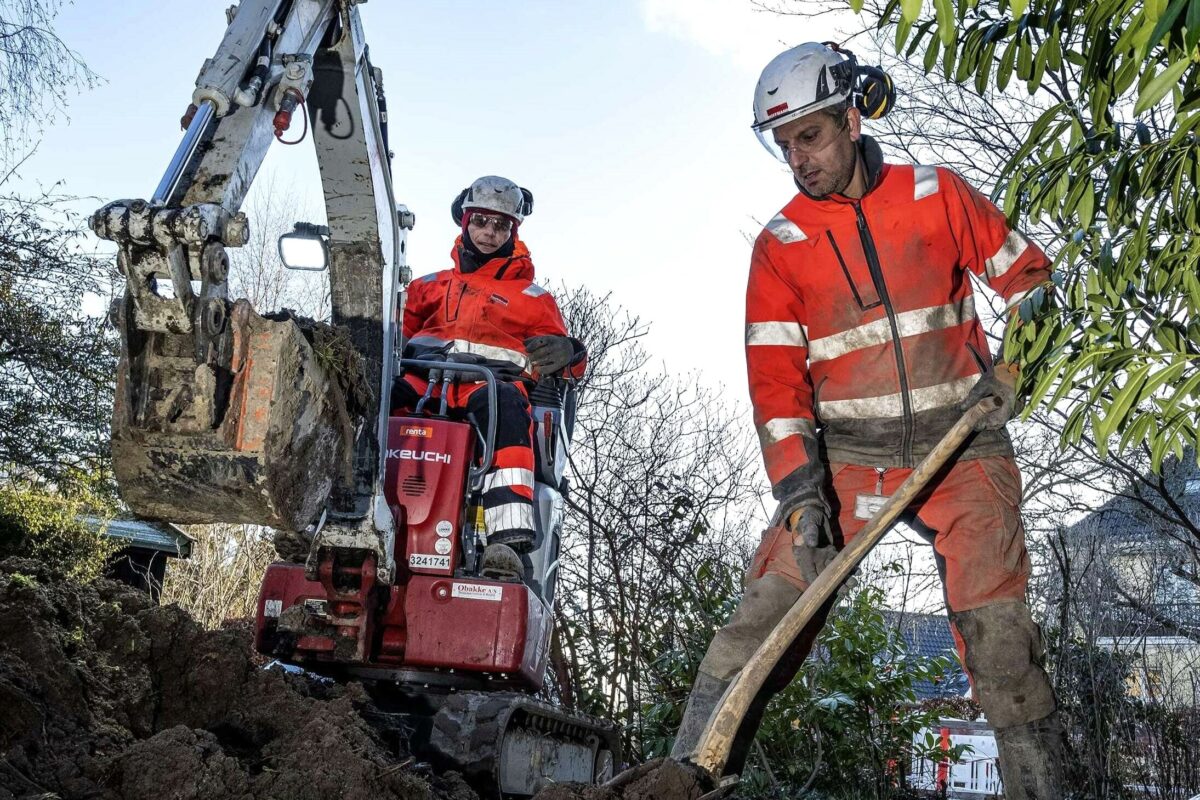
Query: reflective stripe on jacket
x=860 y=318
x=489 y=312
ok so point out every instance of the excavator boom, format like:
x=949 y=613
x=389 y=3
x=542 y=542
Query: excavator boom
x=224 y=415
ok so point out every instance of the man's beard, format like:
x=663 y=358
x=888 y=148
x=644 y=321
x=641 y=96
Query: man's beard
x=843 y=179
x=838 y=182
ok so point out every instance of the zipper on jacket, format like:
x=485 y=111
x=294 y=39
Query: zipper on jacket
x=837 y=251
x=868 y=245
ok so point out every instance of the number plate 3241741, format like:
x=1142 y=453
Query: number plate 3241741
x=428 y=561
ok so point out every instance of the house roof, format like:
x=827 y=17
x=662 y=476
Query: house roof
x=1126 y=517
x=161 y=536
x=929 y=636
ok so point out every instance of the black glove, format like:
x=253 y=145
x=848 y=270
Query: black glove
x=998 y=380
x=812 y=543
x=549 y=354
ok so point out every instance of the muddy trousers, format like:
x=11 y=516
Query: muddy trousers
x=508 y=486
x=970 y=514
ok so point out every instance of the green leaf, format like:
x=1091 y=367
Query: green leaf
x=1126 y=74
x=1087 y=204
x=949 y=55
x=945 y=18
x=1018 y=8
x=903 y=29
x=1124 y=400
x=1054 y=51
x=1185 y=391
x=1005 y=67
x=910 y=9
x=1156 y=89
x=931 y=54
x=1024 y=60
x=983 y=72
x=1167 y=20
x=856 y=5
x=1039 y=67
x=1193 y=23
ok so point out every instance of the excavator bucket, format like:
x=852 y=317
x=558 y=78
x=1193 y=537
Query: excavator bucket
x=256 y=433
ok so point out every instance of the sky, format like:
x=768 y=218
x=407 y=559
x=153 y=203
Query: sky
x=629 y=120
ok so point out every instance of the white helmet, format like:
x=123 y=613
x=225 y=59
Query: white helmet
x=797 y=82
x=496 y=194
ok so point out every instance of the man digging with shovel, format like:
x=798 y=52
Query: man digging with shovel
x=863 y=349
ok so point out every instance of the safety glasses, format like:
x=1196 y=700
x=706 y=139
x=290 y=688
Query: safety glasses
x=808 y=140
x=498 y=224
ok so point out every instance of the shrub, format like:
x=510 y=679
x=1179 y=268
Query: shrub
x=46 y=526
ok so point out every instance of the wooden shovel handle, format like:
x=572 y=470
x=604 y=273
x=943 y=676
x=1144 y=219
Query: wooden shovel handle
x=713 y=749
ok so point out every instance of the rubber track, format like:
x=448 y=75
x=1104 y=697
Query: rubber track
x=469 y=727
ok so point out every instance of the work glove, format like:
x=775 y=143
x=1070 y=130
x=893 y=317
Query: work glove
x=812 y=543
x=548 y=355
x=998 y=380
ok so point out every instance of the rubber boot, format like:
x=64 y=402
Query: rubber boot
x=501 y=563
x=706 y=693
x=1032 y=759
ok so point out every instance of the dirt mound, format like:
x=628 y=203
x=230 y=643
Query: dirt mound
x=105 y=695
x=656 y=780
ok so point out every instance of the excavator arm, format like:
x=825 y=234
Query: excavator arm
x=223 y=414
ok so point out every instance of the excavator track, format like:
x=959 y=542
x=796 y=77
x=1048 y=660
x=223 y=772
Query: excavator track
x=510 y=745
x=505 y=744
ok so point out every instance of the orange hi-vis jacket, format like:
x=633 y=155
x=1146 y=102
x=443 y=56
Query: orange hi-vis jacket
x=861 y=320
x=489 y=312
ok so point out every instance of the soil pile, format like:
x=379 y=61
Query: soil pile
x=655 y=780
x=105 y=695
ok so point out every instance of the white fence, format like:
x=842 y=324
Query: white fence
x=976 y=776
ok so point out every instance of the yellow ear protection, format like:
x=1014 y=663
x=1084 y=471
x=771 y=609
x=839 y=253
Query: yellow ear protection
x=874 y=92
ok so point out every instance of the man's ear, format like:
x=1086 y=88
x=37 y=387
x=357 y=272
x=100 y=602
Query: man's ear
x=854 y=123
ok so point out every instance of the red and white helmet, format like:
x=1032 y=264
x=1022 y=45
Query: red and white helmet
x=495 y=194
x=797 y=82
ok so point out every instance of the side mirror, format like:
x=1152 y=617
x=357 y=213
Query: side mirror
x=305 y=248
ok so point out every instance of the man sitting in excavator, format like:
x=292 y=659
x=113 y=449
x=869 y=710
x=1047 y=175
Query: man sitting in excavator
x=488 y=306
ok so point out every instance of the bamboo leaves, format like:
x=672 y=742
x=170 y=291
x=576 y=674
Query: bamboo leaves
x=1110 y=161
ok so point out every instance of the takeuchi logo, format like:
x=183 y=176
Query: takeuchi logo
x=405 y=454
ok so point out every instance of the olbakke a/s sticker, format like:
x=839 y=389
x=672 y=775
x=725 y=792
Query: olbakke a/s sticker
x=442 y=546
x=478 y=591
x=445 y=528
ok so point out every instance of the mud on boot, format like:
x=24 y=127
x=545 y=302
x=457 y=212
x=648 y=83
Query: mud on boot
x=501 y=563
x=706 y=693
x=1032 y=759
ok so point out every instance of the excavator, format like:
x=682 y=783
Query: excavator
x=224 y=413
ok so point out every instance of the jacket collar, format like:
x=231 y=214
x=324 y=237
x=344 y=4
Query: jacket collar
x=515 y=267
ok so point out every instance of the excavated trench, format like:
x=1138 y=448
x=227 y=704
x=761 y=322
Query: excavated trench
x=105 y=695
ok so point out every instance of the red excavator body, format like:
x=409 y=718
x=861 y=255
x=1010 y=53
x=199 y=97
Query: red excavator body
x=434 y=617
